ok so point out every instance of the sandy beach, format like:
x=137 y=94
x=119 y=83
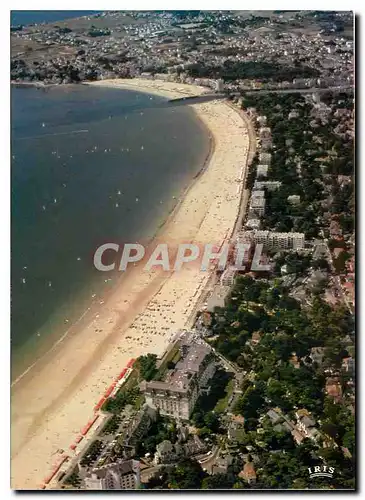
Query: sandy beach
x=53 y=401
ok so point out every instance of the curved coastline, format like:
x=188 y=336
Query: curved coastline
x=156 y=236
x=84 y=365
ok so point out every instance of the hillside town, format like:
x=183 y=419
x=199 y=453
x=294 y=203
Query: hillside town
x=296 y=49
x=262 y=387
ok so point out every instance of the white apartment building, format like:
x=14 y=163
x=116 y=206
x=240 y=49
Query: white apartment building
x=257 y=205
x=265 y=139
x=176 y=401
x=124 y=475
x=269 y=185
x=265 y=133
x=219 y=85
x=228 y=276
x=265 y=158
x=266 y=144
x=258 y=193
x=262 y=170
x=275 y=240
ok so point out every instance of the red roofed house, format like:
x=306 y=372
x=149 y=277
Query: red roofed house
x=333 y=388
x=248 y=473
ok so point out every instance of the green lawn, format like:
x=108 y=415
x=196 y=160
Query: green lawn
x=222 y=403
x=139 y=401
x=173 y=355
x=131 y=382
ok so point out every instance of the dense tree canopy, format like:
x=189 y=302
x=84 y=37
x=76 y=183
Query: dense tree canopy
x=147 y=366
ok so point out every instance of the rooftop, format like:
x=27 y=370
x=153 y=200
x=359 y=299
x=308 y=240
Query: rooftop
x=248 y=471
x=126 y=467
x=193 y=353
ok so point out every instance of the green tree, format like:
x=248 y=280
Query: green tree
x=211 y=420
x=186 y=475
x=147 y=366
x=218 y=482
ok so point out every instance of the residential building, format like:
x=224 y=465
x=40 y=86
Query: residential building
x=253 y=224
x=256 y=337
x=257 y=205
x=297 y=436
x=334 y=389
x=348 y=365
x=269 y=185
x=228 y=276
x=306 y=424
x=194 y=446
x=265 y=138
x=274 y=416
x=219 y=85
x=265 y=132
x=262 y=120
x=221 y=464
x=262 y=171
x=167 y=453
x=248 y=473
x=294 y=199
x=265 y=158
x=258 y=193
x=124 y=475
x=137 y=429
x=275 y=240
x=177 y=394
x=293 y=114
x=266 y=144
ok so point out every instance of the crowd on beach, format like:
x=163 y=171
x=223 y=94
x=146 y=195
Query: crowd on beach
x=137 y=319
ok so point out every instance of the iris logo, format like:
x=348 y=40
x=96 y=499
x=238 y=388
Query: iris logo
x=321 y=471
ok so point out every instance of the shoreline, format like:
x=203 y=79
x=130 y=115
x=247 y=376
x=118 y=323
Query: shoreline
x=119 y=279
x=83 y=366
x=29 y=84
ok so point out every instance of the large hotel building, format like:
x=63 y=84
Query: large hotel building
x=177 y=394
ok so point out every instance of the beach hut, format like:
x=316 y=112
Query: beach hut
x=131 y=363
x=122 y=373
x=86 y=429
x=100 y=404
x=109 y=390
